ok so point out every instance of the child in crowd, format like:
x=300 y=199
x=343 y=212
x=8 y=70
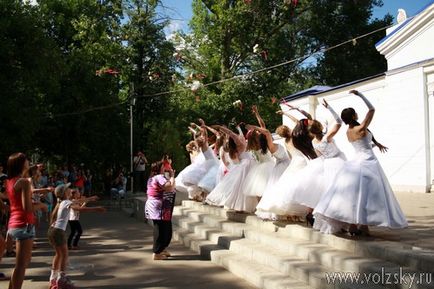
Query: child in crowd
x=57 y=234
x=74 y=219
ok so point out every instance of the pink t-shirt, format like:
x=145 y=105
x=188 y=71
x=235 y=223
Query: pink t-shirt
x=155 y=186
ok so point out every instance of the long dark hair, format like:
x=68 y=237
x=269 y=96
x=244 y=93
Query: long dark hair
x=347 y=116
x=302 y=140
x=252 y=140
x=316 y=129
x=263 y=144
x=16 y=163
x=231 y=148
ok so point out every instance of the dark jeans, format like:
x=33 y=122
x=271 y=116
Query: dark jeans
x=162 y=235
x=139 y=181
x=76 y=232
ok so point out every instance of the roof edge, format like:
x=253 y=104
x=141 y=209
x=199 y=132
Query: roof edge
x=294 y=97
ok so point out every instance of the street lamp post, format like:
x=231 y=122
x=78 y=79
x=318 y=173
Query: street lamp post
x=132 y=104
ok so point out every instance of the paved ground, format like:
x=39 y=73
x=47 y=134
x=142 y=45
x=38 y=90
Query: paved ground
x=116 y=253
x=419 y=210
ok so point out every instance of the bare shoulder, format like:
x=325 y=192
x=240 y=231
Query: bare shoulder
x=356 y=133
x=22 y=183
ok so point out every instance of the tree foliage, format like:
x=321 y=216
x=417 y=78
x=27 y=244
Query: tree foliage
x=69 y=69
x=232 y=38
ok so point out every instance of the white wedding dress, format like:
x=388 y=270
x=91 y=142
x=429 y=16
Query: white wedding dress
x=208 y=182
x=282 y=161
x=218 y=195
x=257 y=179
x=276 y=200
x=189 y=175
x=315 y=179
x=359 y=194
x=235 y=199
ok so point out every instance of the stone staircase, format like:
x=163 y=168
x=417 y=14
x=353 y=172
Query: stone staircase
x=281 y=255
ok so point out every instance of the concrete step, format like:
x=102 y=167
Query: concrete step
x=225 y=225
x=339 y=260
x=255 y=273
x=297 y=267
x=256 y=247
x=313 y=271
x=298 y=258
x=201 y=245
x=395 y=252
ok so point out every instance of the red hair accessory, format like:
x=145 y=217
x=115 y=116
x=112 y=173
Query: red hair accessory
x=305 y=122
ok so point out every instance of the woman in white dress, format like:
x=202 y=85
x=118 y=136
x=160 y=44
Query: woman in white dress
x=229 y=192
x=360 y=195
x=257 y=179
x=189 y=177
x=217 y=196
x=208 y=181
x=314 y=180
x=276 y=200
x=281 y=162
x=196 y=157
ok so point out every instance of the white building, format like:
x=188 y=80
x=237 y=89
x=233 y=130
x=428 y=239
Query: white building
x=404 y=100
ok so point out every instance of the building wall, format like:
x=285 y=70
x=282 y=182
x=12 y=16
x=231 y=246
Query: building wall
x=399 y=123
x=413 y=49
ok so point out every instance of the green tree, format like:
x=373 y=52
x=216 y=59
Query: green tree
x=88 y=40
x=26 y=64
x=331 y=22
x=149 y=68
x=229 y=38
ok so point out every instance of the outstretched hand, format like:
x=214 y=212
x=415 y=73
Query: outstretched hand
x=382 y=148
x=201 y=122
x=254 y=109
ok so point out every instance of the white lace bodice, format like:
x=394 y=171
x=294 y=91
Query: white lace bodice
x=281 y=154
x=262 y=158
x=327 y=149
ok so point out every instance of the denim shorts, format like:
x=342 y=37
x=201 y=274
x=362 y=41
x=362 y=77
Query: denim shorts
x=24 y=233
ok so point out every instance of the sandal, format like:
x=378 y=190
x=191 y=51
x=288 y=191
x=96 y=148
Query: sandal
x=159 y=256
